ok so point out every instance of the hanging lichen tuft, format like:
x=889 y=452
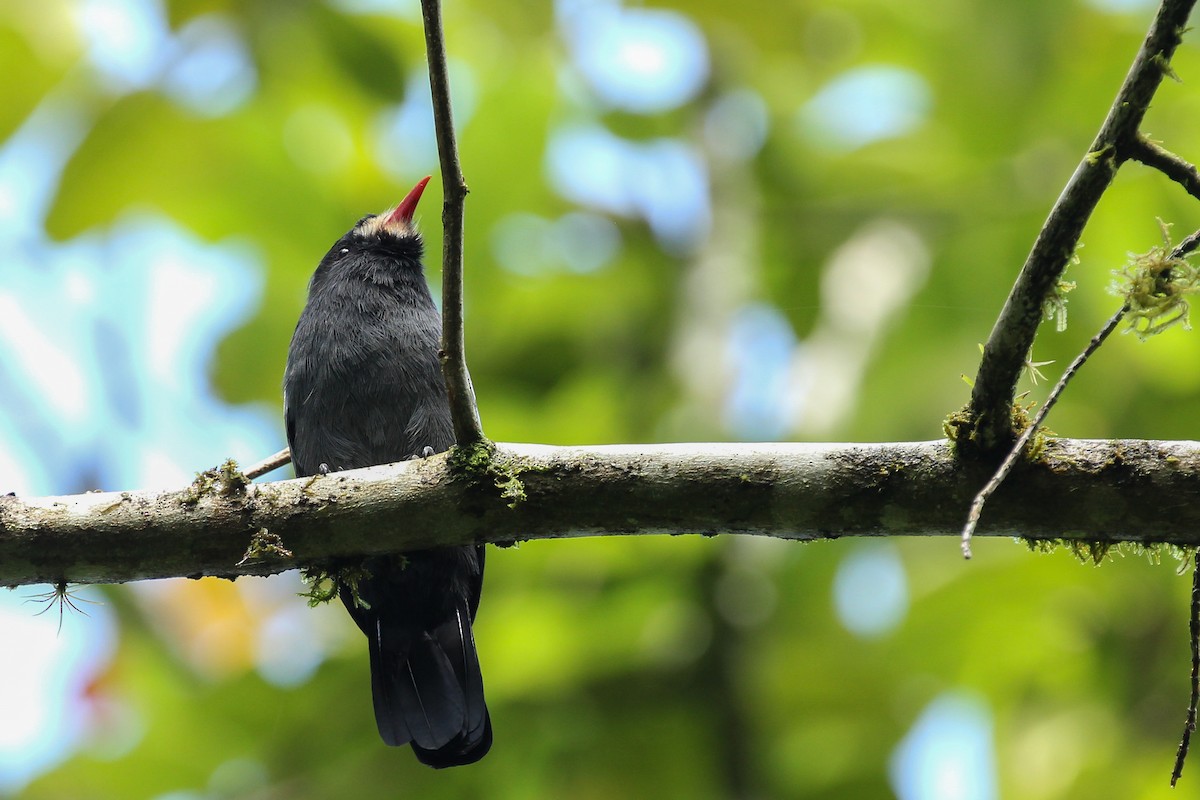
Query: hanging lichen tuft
x=1155 y=286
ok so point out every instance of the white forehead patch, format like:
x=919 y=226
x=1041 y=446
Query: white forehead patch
x=378 y=225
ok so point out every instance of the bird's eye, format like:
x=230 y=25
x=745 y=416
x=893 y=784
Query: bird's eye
x=345 y=250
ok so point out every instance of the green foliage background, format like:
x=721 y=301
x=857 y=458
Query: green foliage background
x=684 y=667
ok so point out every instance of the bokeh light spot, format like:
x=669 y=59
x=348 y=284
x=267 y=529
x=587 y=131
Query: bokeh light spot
x=641 y=60
x=947 y=754
x=761 y=346
x=870 y=591
x=865 y=105
x=736 y=125
x=664 y=181
x=405 y=141
x=213 y=73
x=1121 y=6
x=127 y=40
x=580 y=242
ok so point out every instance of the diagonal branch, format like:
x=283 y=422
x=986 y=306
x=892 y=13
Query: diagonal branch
x=467 y=428
x=222 y=526
x=1012 y=336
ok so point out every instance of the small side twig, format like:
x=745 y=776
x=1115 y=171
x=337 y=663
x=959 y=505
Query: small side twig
x=467 y=427
x=1184 y=248
x=1187 y=246
x=1018 y=448
x=268 y=464
x=1166 y=162
x=1194 y=630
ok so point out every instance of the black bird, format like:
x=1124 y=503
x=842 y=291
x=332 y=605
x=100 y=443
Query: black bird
x=364 y=386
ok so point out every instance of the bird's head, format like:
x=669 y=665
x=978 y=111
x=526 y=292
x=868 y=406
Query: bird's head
x=379 y=248
x=396 y=222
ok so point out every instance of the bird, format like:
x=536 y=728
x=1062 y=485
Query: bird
x=363 y=385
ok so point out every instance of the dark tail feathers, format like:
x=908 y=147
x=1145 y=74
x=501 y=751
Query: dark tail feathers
x=428 y=691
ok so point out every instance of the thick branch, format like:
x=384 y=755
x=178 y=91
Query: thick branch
x=1012 y=336
x=1096 y=490
x=467 y=428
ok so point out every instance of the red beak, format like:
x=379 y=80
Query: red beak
x=404 y=212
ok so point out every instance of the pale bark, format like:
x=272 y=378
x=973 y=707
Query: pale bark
x=1109 y=490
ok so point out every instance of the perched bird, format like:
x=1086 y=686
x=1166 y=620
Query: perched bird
x=364 y=386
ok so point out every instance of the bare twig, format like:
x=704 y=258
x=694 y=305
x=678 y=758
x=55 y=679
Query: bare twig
x=1189 y=726
x=1166 y=162
x=1187 y=246
x=467 y=427
x=268 y=464
x=1012 y=336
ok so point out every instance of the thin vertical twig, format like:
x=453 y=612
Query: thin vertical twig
x=467 y=428
x=1194 y=631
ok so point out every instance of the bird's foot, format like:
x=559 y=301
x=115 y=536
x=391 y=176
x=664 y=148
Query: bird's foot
x=322 y=471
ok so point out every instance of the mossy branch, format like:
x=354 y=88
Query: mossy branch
x=1084 y=490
